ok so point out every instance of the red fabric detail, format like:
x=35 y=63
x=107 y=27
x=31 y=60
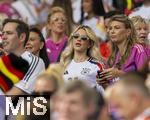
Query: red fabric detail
x=101 y=66
x=104 y=50
x=3 y=84
x=127 y=11
x=9 y=66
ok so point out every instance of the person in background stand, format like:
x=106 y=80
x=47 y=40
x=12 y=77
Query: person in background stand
x=131 y=90
x=67 y=6
x=105 y=47
x=127 y=55
x=57 y=39
x=92 y=12
x=76 y=101
x=50 y=80
x=142 y=31
x=36 y=45
x=142 y=11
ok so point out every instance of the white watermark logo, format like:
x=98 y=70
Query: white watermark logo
x=38 y=102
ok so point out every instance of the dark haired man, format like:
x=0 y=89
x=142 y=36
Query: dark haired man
x=15 y=34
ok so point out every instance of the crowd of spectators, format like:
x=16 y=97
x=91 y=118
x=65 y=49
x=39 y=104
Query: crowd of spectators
x=90 y=59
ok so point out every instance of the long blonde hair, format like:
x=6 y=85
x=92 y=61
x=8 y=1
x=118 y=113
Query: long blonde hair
x=93 y=51
x=130 y=40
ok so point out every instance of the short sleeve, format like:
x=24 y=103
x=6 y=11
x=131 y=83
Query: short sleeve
x=27 y=84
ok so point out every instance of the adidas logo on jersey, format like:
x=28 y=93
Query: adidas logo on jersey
x=66 y=72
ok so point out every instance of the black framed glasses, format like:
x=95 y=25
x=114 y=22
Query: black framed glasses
x=81 y=37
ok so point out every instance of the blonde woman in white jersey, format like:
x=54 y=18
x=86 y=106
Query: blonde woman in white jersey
x=81 y=58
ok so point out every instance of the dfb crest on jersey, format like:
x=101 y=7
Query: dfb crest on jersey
x=85 y=71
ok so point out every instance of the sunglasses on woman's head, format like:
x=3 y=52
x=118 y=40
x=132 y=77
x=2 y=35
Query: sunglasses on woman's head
x=81 y=37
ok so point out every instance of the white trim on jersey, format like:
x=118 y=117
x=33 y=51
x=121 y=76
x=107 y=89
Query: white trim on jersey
x=36 y=67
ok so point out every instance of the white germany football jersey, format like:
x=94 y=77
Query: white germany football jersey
x=36 y=67
x=85 y=71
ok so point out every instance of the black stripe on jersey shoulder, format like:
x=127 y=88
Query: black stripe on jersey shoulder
x=97 y=63
x=93 y=61
x=33 y=65
x=33 y=69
